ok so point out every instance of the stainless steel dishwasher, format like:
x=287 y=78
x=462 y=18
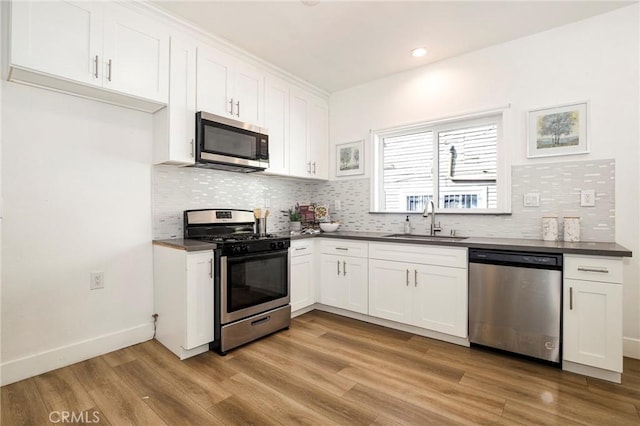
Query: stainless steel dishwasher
x=515 y=302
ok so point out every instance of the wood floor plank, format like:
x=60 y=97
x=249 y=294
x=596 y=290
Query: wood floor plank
x=114 y=399
x=121 y=356
x=555 y=399
x=201 y=388
x=451 y=400
x=265 y=399
x=22 y=404
x=62 y=391
x=234 y=411
x=330 y=381
x=319 y=400
x=160 y=395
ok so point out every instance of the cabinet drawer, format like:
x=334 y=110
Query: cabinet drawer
x=427 y=255
x=301 y=247
x=593 y=268
x=344 y=248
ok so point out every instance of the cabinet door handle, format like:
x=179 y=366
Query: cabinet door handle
x=238 y=109
x=342 y=248
x=95 y=64
x=570 y=298
x=300 y=248
x=192 y=149
x=344 y=267
x=338 y=267
x=589 y=269
x=231 y=106
x=314 y=167
x=415 y=278
x=407 y=278
x=309 y=167
x=210 y=268
x=109 y=66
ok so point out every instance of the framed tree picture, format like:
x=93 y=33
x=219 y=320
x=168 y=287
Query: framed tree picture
x=560 y=130
x=350 y=158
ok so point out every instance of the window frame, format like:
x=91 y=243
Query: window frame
x=503 y=176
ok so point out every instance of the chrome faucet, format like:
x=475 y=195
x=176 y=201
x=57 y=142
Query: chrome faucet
x=430 y=209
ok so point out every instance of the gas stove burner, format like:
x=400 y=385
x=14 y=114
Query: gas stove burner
x=234 y=238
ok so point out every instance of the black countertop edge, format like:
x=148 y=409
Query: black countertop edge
x=185 y=244
x=521 y=244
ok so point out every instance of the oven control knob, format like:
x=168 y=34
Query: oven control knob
x=235 y=249
x=273 y=245
x=245 y=248
x=280 y=244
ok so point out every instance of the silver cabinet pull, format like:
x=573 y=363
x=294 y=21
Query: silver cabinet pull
x=570 y=298
x=192 y=149
x=300 y=248
x=210 y=268
x=589 y=269
x=95 y=63
x=109 y=66
x=309 y=167
x=342 y=248
x=415 y=278
x=238 y=109
x=344 y=267
x=231 y=106
x=338 y=267
x=314 y=167
x=407 y=278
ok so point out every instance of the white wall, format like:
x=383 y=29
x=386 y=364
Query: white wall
x=76 y=182
x=594 y=60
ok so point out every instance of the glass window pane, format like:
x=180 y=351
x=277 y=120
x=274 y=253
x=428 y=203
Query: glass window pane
x=407 y=171
x=467 y=167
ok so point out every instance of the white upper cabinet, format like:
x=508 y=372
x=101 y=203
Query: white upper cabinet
x=174 y=126
x=228 y=87
x=58 y=38
x=309 y=135
x=276 y=120
x=85 y=47
x=135 y=56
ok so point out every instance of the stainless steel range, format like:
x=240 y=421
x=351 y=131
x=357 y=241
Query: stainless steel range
x=251 y=280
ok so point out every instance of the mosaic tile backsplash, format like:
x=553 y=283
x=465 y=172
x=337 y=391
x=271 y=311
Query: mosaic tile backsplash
x=558 y=186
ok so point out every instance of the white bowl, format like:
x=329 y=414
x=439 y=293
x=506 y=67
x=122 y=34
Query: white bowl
x=329 y=227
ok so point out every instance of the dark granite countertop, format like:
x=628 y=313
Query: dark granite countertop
x=585 y=248
x=186 y=245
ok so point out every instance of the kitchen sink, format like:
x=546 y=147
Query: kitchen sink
x=423 y=237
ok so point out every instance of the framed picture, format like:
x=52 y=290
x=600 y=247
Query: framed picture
x=560 y=130
x=350 y=158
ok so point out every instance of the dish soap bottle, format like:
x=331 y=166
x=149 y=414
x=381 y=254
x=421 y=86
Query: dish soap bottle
x=407 y=226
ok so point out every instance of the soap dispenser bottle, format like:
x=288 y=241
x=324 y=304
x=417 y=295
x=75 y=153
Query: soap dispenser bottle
x=407 y=226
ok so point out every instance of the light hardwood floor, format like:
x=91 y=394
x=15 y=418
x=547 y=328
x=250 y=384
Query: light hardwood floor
x=324 y=370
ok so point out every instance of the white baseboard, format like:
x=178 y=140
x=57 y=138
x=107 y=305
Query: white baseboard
x=32 y=365
x=631 y=347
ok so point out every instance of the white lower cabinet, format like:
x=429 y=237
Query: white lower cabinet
x=302 y=274
x=344 y=277
x=592 y=319
x=183 y=300
x=430 y=296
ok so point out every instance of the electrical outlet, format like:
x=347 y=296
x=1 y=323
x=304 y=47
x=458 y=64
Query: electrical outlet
x=338 y=205
x=587 y=198
x=97 y=281
x=532 y=199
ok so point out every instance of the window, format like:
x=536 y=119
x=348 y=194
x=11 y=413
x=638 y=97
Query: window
x=455 y=163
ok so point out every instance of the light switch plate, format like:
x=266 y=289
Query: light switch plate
x=588 y=198
x=531 y=199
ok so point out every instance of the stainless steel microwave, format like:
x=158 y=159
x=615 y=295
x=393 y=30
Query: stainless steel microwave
x=226 y=144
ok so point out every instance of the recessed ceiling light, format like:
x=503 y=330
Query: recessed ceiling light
x=418 y=52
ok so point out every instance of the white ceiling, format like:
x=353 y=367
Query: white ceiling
x=339 y=44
